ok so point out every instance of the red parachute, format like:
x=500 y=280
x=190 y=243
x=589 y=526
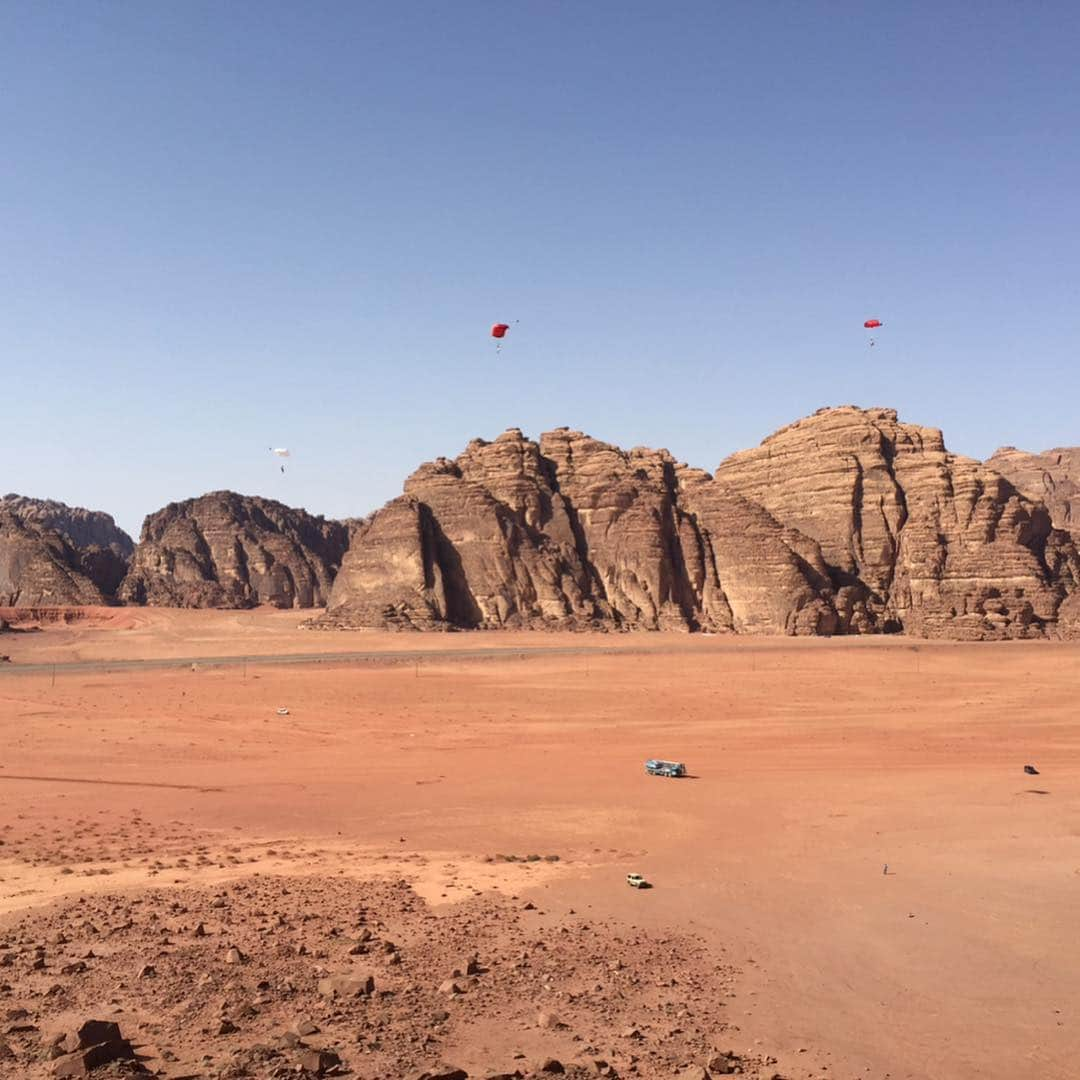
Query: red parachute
x=499 y=330
x=870 y=324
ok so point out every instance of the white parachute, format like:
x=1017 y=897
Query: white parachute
x=281 y=452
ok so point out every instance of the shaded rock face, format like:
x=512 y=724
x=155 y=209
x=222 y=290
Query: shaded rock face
x=1052 y=478
x=41 y=568
x=913 y=537
x=229 y=550
x=57 y=555
x=82 y=528
x=572 y=532
x=846 y=522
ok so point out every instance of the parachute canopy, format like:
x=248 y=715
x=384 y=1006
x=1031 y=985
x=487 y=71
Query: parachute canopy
x=281 y=451
x=873 y=324
x=499 y=330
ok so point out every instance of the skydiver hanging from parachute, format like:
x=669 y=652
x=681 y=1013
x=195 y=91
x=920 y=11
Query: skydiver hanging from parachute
x=499 y=331
x=281 y=452
x=872 y=324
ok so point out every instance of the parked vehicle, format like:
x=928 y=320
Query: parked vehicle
x=636 y=881
x=656 y=767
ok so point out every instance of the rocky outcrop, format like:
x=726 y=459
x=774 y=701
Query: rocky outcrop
x=845 y=522
x=915 y=538
x=229 y=550
x=39 y=567
x=572 y=532
x=53 y=554
x=1052 y=478
x=84 y=529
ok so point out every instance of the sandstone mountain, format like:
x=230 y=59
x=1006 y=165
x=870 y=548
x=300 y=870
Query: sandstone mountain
x=846 y=522
x=41 y=568
x=57 y=555
x=83 y=528
x=1052 y=477
x=229 y=550
x=915 y=537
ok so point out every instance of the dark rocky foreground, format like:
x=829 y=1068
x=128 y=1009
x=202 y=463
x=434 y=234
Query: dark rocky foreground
x=307 y=977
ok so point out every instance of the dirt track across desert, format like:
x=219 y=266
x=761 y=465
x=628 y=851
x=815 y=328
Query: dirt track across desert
x=814 y=764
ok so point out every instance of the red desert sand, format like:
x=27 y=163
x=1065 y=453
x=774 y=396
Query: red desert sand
x=421 y=866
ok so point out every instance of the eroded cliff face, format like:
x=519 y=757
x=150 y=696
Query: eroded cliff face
x=915 y=538
x=1052 y=478
x=229 y=550
x=41 y=568
x=845 y=522
x=57 y=555
x=573 y=532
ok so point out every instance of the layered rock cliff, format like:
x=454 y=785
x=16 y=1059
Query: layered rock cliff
x=41 y=568
x=1052 y=478
x=573 y=532
x=229 y=550
x=83 y=528
x=57 y=555
x=915 y=538
x=845 y=522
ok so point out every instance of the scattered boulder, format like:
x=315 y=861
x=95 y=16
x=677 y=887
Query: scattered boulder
x=319 y=1062
x=347 y=986
x=96 y=1043
x=723 y=1064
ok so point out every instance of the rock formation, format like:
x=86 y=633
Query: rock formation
x=57 y=555
x=229 y=550
x=573 y=532
x=40 y=568
x=915 y=538
x=846 y=522
x=83 y=528
x=1052 y=478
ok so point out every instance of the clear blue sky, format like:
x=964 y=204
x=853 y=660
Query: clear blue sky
x=226 y=226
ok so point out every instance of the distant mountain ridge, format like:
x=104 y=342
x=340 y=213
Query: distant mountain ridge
x=849 y=521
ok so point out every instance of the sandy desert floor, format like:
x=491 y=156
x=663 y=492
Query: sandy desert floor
x=413 y=764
